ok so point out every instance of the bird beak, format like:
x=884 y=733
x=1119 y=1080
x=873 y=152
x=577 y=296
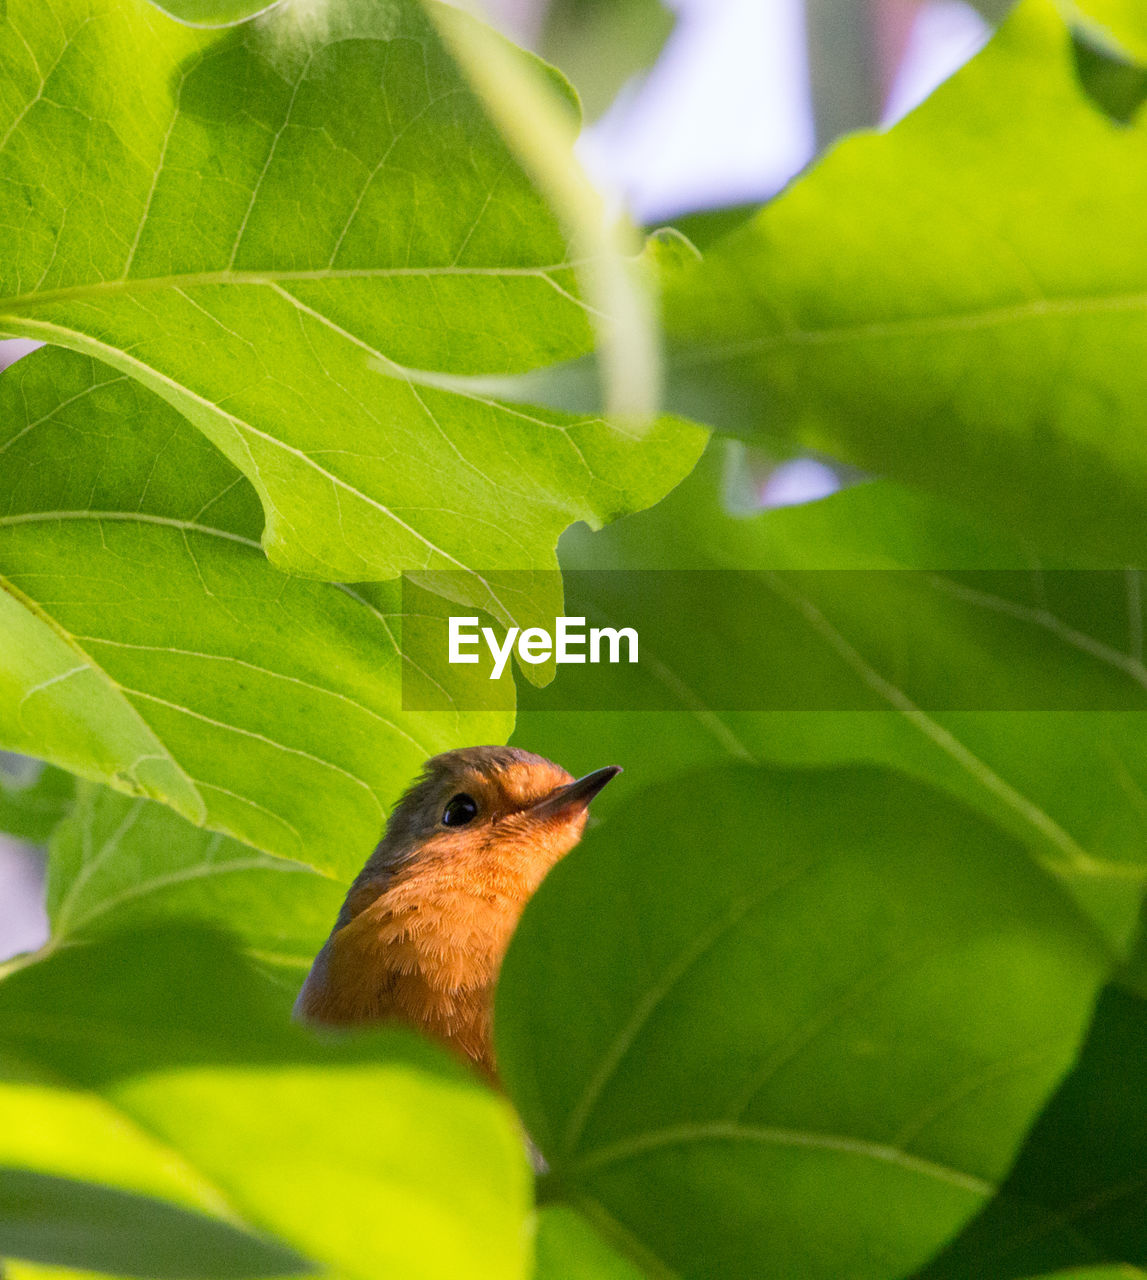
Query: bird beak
x=575 y=796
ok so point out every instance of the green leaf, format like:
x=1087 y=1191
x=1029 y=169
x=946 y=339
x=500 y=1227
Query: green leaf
x=790 y=1023
x=1116 y=85
x=1122 y=23
x=911 y=305
x=1069 y=783
x=1066 y=782
x=160 y=1065
x=1077 y=1194
x=214 y=13
x=1133 y=975
x=1094 y=1273
x=118 y=863
x=570 y=1248
x=61 y=1220
x=148 y=643
x=33 y=798
x=993 y=10
x=299 y=233
x=600 y=44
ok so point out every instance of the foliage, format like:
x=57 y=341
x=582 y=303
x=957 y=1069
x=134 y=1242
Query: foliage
x=847 y=990
x=789 y=1093
x=1076 y=1191
x=280 y=236
x=829 y=585
x=911 y=307
x=600 y=44
x=122 y=1069
x=32 y=799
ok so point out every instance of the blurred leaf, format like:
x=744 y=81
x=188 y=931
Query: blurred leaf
x=62 y=1220
x=1119 y=24
x=808 y=998
x=955 y=302
x=1133 y=975
x=19 y=1269
x=118 y=863
x=601 y=44
x=706 y=227
x=1078 y=1192
x=1122 y=23
x=1070 y=784
x=33 y=797
x=994 y=10
x=214 y=13
x=159 y=1064
x=164 y=655
x=1116 y=86
x=297 y=229
x=844 y=81
x=530 y=104
x=570 y=1248
x=1094 y=1273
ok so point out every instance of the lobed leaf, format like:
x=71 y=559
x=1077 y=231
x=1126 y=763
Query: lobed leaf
x=909 y=305
x=975 y=611
x=1077 y=1194
x=117 y=863
x=159 y=1065
x=149 y=644
x=299 y=233
x=746 y=1092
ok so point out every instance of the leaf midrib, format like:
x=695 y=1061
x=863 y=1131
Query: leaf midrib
x=689 y=1134
x=82 y=342
x=918 y=326
x=150 y=284
x=69 y=640
x=1073 y=858
x=73 y=640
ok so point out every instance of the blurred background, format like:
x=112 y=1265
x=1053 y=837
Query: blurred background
x=691 y=105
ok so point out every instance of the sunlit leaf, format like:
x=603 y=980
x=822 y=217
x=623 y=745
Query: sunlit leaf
x=1121 y=22
x=158 y=1064
x=912 y=306
x=296 y=229
x=148 y=643
x=748 y=1092
x=1068 y=782
x=1077 y=1194
x=118 y=862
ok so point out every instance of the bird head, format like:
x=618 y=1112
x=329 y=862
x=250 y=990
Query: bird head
x=422 y=932
x=481 y=806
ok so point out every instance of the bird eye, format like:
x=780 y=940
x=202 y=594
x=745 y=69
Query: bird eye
x=459 y=811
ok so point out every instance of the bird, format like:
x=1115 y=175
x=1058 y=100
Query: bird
x=425 y=925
